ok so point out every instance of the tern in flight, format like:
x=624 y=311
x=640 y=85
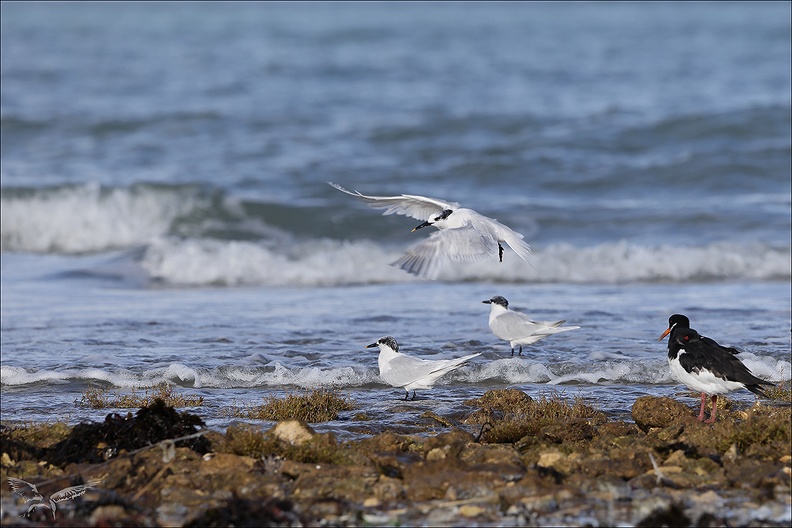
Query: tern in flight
x=464 y=234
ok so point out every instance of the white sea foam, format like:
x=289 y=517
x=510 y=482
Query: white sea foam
x=324 y=262
x=767 y=368
x=90 y=218
x=173 y=224
x=277 y=374
x=510 y=370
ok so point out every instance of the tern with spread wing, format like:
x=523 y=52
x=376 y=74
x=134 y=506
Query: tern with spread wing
x=464 y=234
x=401 y=370
x=517 y=328
x=29 y=492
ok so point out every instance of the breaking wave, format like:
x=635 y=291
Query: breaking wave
x=189 y=235
x=276 y=374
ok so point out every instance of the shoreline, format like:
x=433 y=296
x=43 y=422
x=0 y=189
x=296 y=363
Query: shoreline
x=547 y=462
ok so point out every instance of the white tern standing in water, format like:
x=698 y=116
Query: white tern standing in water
x=401 y=370
x=517 y=328
x=464 y=235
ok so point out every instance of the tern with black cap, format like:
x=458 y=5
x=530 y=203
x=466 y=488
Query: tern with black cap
x=409 y=372
x=464 y=235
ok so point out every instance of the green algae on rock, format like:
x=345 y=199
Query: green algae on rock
x=98 y=398
x=510 y=415
x=319 y=405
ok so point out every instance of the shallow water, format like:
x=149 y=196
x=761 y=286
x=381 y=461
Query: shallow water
x=236 y=346
x=165 y=214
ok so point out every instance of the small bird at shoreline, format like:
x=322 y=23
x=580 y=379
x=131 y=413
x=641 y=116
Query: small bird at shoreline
x=411 y=373
x=464 y=234
x=29 y=492
x=708 y=369
x=517 y=328
x=679 y=321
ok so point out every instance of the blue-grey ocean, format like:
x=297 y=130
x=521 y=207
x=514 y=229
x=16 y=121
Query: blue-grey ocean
x=166 y=216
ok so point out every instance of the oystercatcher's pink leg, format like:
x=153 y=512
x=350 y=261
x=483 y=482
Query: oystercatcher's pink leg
x=714 y=410
x=703 y=404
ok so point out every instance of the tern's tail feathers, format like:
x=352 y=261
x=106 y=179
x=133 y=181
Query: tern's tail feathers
x=520 y=246
x=452 y=364
x=559 y=329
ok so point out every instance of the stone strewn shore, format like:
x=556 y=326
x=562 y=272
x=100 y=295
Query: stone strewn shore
x=578 y=468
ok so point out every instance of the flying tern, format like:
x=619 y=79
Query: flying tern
x=411 y=373
x=517 y=328
x=29 y=492
x=464 y=234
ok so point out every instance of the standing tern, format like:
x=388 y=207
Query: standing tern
x=464 y=234
x=708 y=369
x=516 y=327
x=411 y=373
x=679 y=322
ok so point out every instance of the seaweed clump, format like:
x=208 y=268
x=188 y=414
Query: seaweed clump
x=320 y=405
x=98 y=398
x=97 y=442
x=248 y=513
x=510 y=415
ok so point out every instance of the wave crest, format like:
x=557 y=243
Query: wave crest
x=327 y=262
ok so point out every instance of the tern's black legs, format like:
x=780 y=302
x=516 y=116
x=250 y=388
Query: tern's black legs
x=520 y=354
x=407 y=396
x=500 y=252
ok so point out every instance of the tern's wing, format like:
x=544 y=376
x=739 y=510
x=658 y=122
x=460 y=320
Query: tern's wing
x=405 y=370
x=441 y=367
x=24 y=489
x=418 y=207
x=425 y=258
x=515 y=325
x=69 y=493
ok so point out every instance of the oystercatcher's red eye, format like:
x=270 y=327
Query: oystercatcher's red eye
x=686 y=338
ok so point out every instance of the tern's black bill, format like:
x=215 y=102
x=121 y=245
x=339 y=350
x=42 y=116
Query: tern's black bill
x=372 y=345
x=425 y=224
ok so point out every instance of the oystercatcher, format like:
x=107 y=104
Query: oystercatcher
x=708 y=369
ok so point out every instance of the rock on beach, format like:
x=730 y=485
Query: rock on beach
x=562 y=467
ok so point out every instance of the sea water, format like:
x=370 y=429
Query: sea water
x=166 y=217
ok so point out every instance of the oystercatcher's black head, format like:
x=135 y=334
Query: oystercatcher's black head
x=497 y=300
x=675 y=321
x=678 y=320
